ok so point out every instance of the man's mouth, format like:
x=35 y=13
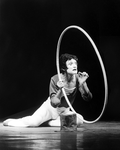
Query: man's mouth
x=74 y=69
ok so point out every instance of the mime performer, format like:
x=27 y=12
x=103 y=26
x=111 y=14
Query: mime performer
x=72 y=81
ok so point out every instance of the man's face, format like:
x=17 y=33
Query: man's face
x=71 y=66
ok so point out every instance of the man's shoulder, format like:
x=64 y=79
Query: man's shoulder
x=54 y=77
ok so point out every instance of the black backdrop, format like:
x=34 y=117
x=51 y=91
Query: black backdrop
x=29 y=31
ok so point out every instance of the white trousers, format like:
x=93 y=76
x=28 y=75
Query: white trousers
x=44 y=113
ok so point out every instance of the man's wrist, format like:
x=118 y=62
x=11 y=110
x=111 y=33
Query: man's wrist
x=81 y=83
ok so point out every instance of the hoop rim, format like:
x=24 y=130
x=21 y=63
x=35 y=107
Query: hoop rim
x=101 y=64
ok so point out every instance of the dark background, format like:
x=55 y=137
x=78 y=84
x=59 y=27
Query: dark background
x=29 y=32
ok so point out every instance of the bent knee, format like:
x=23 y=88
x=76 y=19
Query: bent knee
x=80 y=119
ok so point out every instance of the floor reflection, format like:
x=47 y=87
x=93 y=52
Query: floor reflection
x=68 y=140
x=93 y=137
x=53 y=141
x=31 y=142
x=102 y=139
x=44 y=141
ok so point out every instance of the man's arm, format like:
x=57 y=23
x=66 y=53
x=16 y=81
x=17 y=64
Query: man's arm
x=85 y=92
x=55 y=93
x=83 y=88
x=56 y=99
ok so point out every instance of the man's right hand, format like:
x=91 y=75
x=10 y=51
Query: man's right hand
x=60 y=84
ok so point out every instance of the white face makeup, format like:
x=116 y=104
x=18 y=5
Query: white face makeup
x=71 y=66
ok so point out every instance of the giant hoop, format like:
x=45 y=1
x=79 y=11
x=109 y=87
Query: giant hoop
x=101 y=64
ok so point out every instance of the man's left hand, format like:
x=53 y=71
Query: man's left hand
x=82 y=77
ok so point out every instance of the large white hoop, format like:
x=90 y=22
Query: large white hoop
x=101 y=64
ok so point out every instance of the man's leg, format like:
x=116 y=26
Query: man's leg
x=79 y=119
x=57 y=122
x=41 y=115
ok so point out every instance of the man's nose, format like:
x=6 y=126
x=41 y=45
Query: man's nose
x=75 y=66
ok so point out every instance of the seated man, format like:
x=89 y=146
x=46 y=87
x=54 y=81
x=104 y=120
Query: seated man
x=55 y=105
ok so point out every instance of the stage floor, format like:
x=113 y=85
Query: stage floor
x=97 y=136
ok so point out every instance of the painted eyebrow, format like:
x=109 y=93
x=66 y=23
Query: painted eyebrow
x=71 y=62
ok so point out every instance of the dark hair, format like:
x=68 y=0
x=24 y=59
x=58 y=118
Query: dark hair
x=63 y=59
